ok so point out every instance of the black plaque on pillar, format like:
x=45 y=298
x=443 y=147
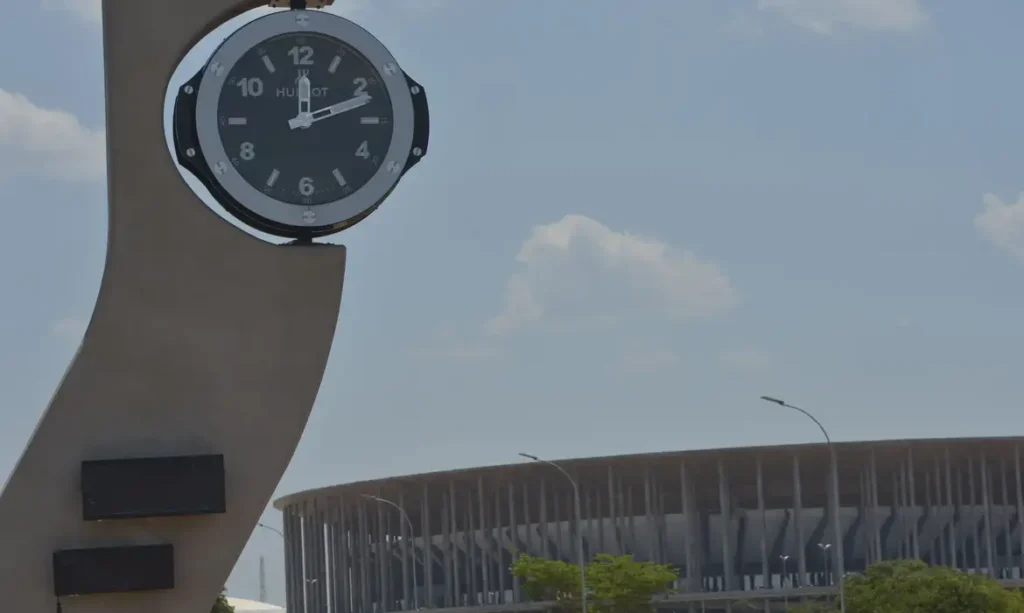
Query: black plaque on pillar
x=153 y=487
x=112 y=570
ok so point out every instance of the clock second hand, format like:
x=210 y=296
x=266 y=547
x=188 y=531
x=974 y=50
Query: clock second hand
x=304 y=121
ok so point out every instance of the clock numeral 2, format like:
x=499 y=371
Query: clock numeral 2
x=301 y=56
x=361 y=85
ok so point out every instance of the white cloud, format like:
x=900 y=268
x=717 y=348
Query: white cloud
x=828 y=17
x=1003 y=224
x=648 y=360
x=449 y=346
x=745 y=360
x=69 y=328
x=579 y=268
x=87 y=10
x=47 y=143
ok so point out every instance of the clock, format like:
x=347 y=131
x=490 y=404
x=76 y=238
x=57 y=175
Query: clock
x=300 y=124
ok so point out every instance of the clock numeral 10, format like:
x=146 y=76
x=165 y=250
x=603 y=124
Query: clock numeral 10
x=302 y=56
x=251 y=87
x=306 y=186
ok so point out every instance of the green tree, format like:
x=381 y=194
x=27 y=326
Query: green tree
x=615 y=584
x=911 y=586
x=222 y=605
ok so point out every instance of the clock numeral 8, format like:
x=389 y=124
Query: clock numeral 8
x=247 y=151
x=306 y=186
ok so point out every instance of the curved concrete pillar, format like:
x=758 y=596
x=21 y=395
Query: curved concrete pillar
x=203 y=340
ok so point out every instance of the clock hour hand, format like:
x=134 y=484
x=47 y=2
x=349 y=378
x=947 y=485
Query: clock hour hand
x=305 y=94
x=304 y=121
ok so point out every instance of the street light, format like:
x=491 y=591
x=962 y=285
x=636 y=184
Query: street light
x=835 y=493
x=271 y=528
x=824 y=554
x=412 y=534
x=579 y=525
x=785 y=594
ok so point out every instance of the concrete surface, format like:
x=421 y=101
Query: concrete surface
x=203 y=340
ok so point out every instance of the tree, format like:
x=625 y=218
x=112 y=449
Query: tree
x=911 y=586
x=615 y=584
x=222 y=605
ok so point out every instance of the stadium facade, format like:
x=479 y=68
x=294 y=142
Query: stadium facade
x=750 y=524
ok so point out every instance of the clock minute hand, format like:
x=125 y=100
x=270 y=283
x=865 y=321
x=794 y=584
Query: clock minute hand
x=341 y=107
x=307 y=119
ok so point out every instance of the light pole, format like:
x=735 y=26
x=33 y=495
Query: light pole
x=824 y=554
x=412 y=534
x=835 y=493
x=271 y=528
x=579 y=525
x=785 y=594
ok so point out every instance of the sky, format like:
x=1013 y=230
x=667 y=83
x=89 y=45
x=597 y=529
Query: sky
x=633 y=221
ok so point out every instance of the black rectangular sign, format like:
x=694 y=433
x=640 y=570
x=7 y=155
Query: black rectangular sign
x=110 y=570
x=153 y=487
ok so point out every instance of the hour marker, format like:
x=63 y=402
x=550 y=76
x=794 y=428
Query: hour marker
x=237 y=121
x=273 y=178
x=369 y=120
x=338 y=177
x=268 y=63
x=334 y=64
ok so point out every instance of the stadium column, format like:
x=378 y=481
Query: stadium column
x=940 y=513
x=428 y=549
x=973 y=500
x=915 y=534
x=766 y=578
x=798 y=525
x=1020 y=508
x=728 y=570
x=986 y=514
x=1005 y=562
x=877 y=532
x=342 y=573
x=952 y=509
x=513 y=528
x=405 y=536
x=291 y=570
x=690 y=538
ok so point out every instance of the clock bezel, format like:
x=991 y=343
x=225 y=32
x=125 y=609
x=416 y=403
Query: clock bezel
x=329 y=214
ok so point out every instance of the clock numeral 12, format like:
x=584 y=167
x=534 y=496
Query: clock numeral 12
x=301 y=56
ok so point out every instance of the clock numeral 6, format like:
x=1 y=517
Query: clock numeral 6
x=247 y=151
x=251 y=87
x=306 y=186
x=301 y=56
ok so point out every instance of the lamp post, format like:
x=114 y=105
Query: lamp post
x=271 y=528
x=824 y=554
x=579 y=526
x=835 y=493
x=785 y=594
x=412 y=534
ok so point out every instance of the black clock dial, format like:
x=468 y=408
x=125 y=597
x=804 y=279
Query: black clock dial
x=305 y=150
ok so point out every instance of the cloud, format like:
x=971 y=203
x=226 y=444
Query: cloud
x=578 y=268
x=648 y=360
x=47 y=143
x=1003 y=224
x=69 y=329
x=828 y=17
x=449 y=346
x=745 y=360
x=89 y=11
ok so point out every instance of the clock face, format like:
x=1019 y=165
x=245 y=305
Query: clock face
x=305 y=118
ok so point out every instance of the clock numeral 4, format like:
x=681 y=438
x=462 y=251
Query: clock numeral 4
x=247 y=151
x=363 y=151
x=251 y=88
x=306 y=186
x=301 y=56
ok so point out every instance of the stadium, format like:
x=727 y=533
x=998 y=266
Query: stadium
x=752 y=525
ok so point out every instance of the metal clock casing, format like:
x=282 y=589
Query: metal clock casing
x=199 y=127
